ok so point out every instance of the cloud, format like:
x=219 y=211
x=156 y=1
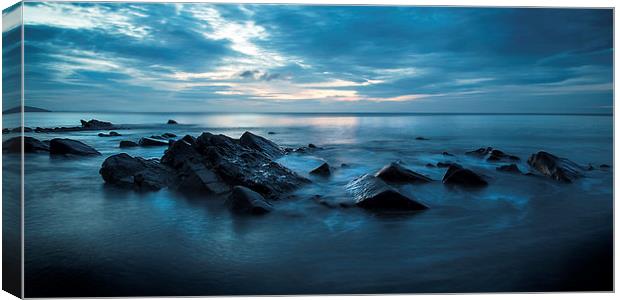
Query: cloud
x=291 y=57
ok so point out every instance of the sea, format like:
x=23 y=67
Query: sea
x=518 y=234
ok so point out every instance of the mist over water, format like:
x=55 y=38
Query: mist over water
x=521 y=233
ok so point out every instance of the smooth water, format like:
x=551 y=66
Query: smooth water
x=521 y=233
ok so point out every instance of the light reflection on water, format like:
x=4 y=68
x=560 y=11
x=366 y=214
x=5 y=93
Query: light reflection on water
x=111 y=242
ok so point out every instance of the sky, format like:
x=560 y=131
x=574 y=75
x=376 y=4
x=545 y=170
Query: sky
x=288 y=58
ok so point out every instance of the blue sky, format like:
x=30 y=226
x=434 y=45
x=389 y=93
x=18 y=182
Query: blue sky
x=200 y=57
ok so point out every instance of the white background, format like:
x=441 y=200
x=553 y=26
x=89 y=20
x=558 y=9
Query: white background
x=519 y=3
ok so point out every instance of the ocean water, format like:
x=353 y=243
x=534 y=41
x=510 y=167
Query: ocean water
x=519 y=234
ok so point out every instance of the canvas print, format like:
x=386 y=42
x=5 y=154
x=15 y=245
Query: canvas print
x=201 y=149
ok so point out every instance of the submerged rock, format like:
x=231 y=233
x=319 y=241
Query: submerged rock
x=168 y=135
x=395 y=172
x=127 y=144
x=172 y=122
x=31 y=145
x=421 y=138
x=447 y=154
x=322 y=170
x=447 y=164
x=112 y=133
x=512 y=168
x=71 y=147
x=493 y=154
x=557 y=168
x=311 y=146
x=460 y=176
x=245 y=200
x=604 y=166
x=370 y=192
x=135 y=172
x=148 y=141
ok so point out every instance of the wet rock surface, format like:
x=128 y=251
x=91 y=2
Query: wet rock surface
x=493 y=155
x=396 y=173
x=322 y=170
x=71 y=147
x=372 y=193
x=31 y=145
x=244 y=200
x=152 y=142
x=261 y=144
x=557 y=168
x=135 y=172
x=458 y=175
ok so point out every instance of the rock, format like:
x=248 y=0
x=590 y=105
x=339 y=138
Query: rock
x=447 y=154
x=344 y=165
x=604 y=166
x=460 y=176
x=168 y=135
x=512 y=168
x=370 y=192
x=557 y=168
x=396 y=173
x=590 y=167
x=240 y=165
x=245 y=200
x=127 y=144
x=429 y=165
x=420 y=138
x=6 y=130
x=271 y=132
x=172 y=122
x=261 y=144
x=152 y=142
x=322 y=170
x=492 y=155
x=96 y=124
x=31 y=145
x=71 y=147
x=135 y=172
x=196 y=177
x=311 y=146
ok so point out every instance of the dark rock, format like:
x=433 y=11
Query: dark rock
x=429 y=165
x=396 y=173
x=194 y=176
x=152 y=142
x=512 y=168
x=447 y=154
x=172 y=122
x=96 y=124
x=31 y=145
x=271 y=132
x=590 y=167
x=557 y=168
x=420 y=138
x=6 y=130
x=344 y=165
x=127 y=144
x=604 y=166
x=322 y=170
x=460 y=176
x=493 y=155
x=261 y=144
x=245 y=200
x=135 y=172
x=168 y=135
x=311 y=146
x=71 y=147
x=372 y=193
x=240 y=165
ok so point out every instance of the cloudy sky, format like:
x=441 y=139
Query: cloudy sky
x=200 y=57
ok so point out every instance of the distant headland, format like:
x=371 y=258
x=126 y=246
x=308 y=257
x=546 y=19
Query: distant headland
x=26 y=109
